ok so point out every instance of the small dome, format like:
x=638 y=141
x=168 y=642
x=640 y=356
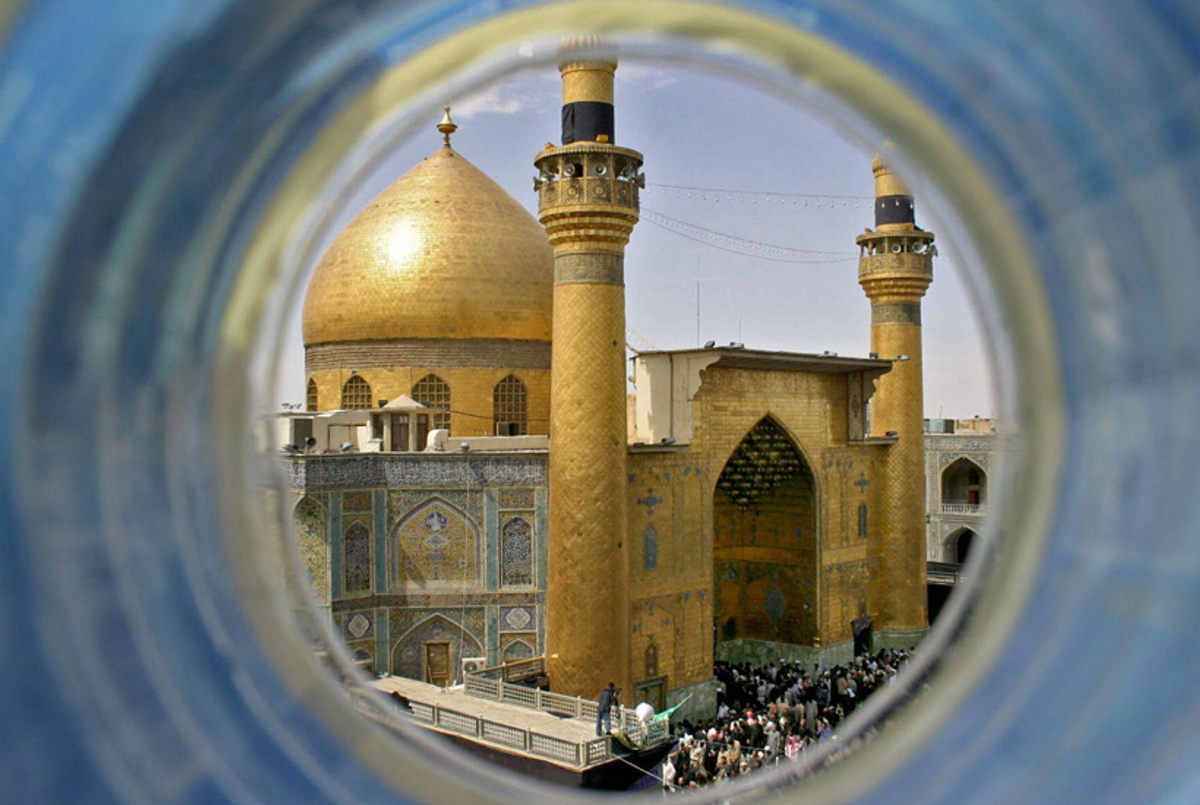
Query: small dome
x=443 y=253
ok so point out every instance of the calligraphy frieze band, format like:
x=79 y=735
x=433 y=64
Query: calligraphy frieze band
x=903 y=313
x=589 y=267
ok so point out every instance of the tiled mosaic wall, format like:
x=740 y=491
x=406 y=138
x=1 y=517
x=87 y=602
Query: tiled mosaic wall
x=457 y=558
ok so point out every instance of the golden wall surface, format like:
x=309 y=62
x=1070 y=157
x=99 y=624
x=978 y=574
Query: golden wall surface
x=898 y=406
x=812 y=409
x=588 y=202
x=852 y=580
x=471 y=392
x=586 y=68
x=587 y=81
x=670 y=568
x=765 y=559
x=895 y=270
x=586 y=598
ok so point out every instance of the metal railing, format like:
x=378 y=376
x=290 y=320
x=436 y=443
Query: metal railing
x=488 y=683
x=479 y=685
x=578 y=754
x=964 y=508
x=513 y=671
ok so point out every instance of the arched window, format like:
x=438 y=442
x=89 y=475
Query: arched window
x=650 y=548
x=431 y=390
x=356 y=393
x=311 y=399
x=510 y=407
x=516 y=553
x=357 y=552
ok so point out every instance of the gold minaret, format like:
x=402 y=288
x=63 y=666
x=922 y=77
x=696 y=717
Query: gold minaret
x=895 y=268
x=588 y=202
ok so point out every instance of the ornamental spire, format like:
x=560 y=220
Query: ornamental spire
x=446 y=126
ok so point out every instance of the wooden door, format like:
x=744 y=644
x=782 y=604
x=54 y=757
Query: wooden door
x=399 y=433
x=422 y=432
x=653 y=692
x=437 y=664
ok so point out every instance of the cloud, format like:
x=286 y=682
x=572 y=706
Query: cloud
x=509 y=97
x=535 y=91
x=645 y=77
x=531 y=91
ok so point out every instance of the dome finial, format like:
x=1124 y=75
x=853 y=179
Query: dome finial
x=447 y=127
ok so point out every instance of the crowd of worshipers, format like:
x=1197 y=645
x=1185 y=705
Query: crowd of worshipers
x=769 y=715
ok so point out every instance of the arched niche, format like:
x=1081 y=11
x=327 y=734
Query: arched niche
x=964 y=483
x=433 y=650
x=764 y=539
x=518 y=650
x=312 y=542
x=957 y=545
x=516 y=553
x=436 y=544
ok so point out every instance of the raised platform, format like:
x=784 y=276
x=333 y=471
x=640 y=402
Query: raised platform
x=423 y=696
x=557 y=746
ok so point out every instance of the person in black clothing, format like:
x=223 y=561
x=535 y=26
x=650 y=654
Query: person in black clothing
x=604 y=707
x=753 y=731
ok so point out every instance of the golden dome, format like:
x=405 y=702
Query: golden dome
x=443 y=253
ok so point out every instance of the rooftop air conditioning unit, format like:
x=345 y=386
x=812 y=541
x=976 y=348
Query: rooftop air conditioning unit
x=472 y=665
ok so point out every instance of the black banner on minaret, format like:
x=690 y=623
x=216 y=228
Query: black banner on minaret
x=894 y=210
x=585 y=121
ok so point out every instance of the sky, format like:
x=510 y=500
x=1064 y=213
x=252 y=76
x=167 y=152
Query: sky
x=703 y=130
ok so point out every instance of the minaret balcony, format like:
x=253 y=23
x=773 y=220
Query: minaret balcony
x=895 y=254
x=589 y=174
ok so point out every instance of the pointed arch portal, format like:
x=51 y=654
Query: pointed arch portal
x=764 y=539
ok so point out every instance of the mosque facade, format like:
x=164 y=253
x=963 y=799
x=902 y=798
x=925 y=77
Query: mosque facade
x=742 y=504
x=960 y=458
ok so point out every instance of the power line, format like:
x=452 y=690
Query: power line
x=743 y=246
x=781 y=196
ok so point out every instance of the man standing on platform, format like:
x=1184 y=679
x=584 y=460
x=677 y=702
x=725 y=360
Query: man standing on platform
x=604 y=707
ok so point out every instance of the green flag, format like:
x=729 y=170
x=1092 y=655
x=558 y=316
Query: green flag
x=666 y=714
